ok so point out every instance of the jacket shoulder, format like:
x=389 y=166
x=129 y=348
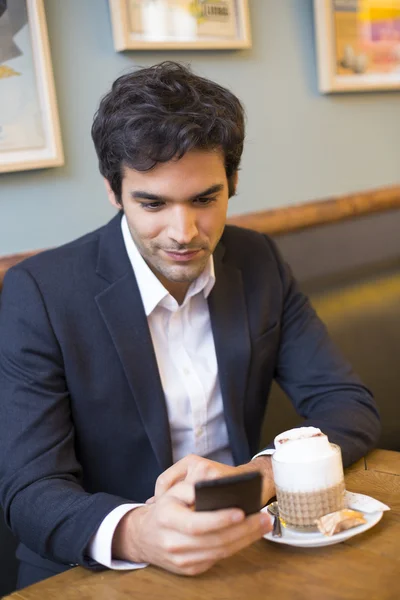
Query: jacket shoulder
x=49 y=264
x=246 y=245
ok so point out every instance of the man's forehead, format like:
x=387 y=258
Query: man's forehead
x=192 y=160
x=189 y=177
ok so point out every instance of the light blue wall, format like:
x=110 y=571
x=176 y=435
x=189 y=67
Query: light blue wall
x=300 y=145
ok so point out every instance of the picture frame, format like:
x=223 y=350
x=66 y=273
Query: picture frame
x=357 y=45
x=180 y=24
x=30 y=135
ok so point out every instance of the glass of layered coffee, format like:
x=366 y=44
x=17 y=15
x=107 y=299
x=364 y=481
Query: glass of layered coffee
x=308 y=475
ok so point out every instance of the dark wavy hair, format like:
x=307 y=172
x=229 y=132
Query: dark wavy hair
x=161 y=112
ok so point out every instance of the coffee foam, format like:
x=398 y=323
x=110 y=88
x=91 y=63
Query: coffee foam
x=304 y=460
x=305 y=444
x=296 y=434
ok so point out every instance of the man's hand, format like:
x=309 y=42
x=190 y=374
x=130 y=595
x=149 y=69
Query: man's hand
x=168 y=533
x=194 y=468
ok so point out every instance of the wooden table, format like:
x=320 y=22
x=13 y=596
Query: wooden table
x=366 y=567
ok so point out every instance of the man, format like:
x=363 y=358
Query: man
x=138 y=359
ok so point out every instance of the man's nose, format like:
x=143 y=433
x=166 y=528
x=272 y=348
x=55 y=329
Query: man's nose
x=183 y=228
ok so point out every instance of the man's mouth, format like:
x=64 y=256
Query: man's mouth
x=183 y=255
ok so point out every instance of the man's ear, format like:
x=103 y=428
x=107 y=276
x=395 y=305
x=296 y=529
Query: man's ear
x=111 y=196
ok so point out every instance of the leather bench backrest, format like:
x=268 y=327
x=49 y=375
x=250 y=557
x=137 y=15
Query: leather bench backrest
x=363 y=319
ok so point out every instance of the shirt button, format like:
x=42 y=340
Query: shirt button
x=199 y=432
x=186 y=371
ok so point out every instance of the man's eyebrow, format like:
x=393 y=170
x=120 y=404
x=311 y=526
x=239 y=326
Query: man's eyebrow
x=139 y=194
x=142 y=195
x=218 y=187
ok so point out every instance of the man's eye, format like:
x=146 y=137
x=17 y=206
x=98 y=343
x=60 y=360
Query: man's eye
x=204 y=200
x=151 y=205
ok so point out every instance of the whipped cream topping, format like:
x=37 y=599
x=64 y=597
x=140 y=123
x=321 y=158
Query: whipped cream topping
x=303 y=444
x=296 y=434
x=304 y=460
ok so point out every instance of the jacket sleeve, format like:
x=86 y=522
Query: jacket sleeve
x=40 y=477
x=318 y=380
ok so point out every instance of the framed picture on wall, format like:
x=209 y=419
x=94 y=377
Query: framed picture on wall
x=180 y=24
x=358 y=44
x=29 y=126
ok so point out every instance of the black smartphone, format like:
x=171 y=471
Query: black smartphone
x=239 y=491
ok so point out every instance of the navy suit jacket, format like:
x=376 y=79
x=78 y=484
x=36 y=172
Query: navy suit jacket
x=83 y=421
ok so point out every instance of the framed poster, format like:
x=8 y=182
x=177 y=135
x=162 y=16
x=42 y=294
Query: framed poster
x=180 y=24
x=29 y=127
x=358 y=44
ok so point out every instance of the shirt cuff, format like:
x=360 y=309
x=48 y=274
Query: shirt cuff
x=101 y=543
x=266 y=452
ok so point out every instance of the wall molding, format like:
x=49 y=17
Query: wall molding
x=320 y=212
x=290 y=218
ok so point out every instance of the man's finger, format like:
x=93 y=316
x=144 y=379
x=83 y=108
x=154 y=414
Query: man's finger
x=254 y=533
x=223 y=527
x=179 y=517
x=171 y=476
x=225 y=542
x=175 y=473
x=182 y=491
x=185 y=550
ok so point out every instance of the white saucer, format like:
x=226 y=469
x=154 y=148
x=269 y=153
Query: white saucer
x=317 y=539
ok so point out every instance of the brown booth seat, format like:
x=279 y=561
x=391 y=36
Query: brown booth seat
x=363 y=318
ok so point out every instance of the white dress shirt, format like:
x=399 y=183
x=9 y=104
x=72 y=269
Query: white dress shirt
x=187 y=362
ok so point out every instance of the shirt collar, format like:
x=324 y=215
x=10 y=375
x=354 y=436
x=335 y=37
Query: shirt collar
x=152 y=291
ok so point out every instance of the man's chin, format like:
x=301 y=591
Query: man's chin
x=182 y=273
x=182 y=278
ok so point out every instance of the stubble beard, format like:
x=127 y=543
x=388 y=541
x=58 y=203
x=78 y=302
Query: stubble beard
x=182 y=273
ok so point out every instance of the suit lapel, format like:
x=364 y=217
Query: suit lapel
x=232 y=344
x=121 y=307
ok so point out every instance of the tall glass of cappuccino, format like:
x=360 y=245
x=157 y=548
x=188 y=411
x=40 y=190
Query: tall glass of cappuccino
x=308 y=475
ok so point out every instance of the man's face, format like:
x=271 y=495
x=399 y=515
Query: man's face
x=176 y=214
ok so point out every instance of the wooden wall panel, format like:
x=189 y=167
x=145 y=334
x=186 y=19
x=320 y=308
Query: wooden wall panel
x=320 y=212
